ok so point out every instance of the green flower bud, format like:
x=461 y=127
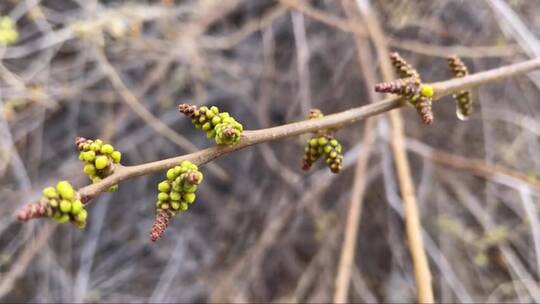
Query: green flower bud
x=334 y=142
x=96 y=179
x=80 y=225
x=313 y=142
x=65 y=190
x=175 y=205
x=64 y=218
x=89 y=169
x=50 y=192
x=210 y=114
x=184 y=206
x=190 y=188
x=53 y=203
x=216 y=120
x=89 y=156
x=98 y=142
x=175 y=196
x=322 y=141
x=327 y=149
x=214 y=109
x=95 y=147
x=116 y=156
x=211 y=134
x=101 y=162
x=164 y=206
x=81 y=217
x=171 y=174
x=164 y=186
x=107 y=149
x=189 y=198
x=76 y=207
x=207 y=126
x=113 y=188
x=65 y=206
x=162 y=196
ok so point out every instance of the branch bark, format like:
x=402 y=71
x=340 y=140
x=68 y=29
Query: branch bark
x=338 y=120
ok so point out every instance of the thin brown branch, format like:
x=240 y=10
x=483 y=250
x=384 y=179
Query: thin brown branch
x=336 y=121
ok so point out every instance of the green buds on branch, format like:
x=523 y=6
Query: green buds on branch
x=99 y=158
x=61 y=203
x=409 y=86
x=463 y=98
x=175 y=195
x=322 y=144
x=218 y=125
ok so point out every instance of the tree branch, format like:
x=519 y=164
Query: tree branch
x=336 y=121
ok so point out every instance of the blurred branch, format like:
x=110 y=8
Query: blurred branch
x=422 y=273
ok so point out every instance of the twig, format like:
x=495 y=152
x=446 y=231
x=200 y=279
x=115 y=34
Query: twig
x=338 y=120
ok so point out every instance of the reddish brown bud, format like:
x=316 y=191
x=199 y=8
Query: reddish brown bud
x=187 y=109
x=35 y=210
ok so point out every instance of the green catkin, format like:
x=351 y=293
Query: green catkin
x=175 y=194
x=322 y=144
x=220 y=126
x=463 y=98
x=100 y=159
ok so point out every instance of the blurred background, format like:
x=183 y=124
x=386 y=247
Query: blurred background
x=262 y=229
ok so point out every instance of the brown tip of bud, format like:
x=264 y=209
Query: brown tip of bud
x=193 y=177
x=79 y=141
x=163 y=218
x=187 y=109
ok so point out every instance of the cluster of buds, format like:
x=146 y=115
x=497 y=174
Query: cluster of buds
x=322 y=144
x=218 y=125
x=99 y=158
x=8 y=32
x=409 y=86
x=61 y=203
x=175 y=195
x=463 y=98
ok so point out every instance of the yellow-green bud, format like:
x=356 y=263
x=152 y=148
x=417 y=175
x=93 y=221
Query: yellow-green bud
x=89 y=156
x=334 y=142
x=162 y=196
x=164 y=186
x=427 y=90
x=107 y=149
x=65 y=190
x=53 y=203
x=175 y=205
x=207 y=126
x=65 y=206
x=216 y=120
x=171 y=174
x=62 y=219
x=116 y=156
x=50 y=192
x=95 y=147
x=189 y=198
x=81 y=217
x=214 y=109
x=89 y=169
x=322 y=141
x=184 y=206
x=76 y=207
x=101 y=162
x=175 y=196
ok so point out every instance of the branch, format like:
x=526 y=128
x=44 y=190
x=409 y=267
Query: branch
x=336 y=121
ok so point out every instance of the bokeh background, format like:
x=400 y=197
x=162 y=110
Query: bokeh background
x=261 y=229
